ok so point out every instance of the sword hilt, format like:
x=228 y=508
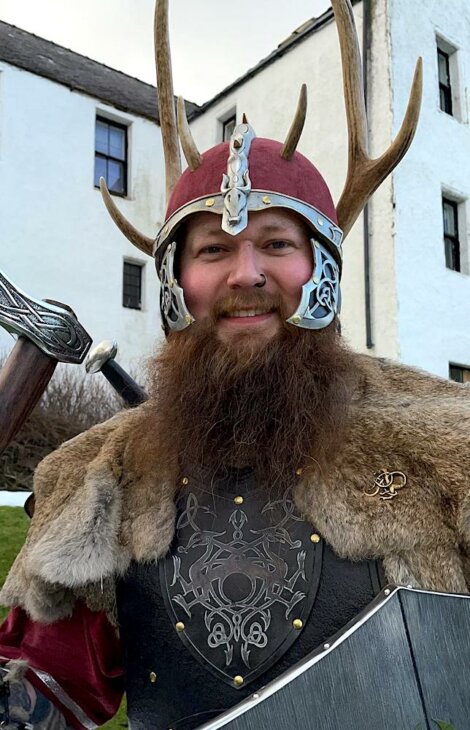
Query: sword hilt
x=23 y=379
x=48 y=332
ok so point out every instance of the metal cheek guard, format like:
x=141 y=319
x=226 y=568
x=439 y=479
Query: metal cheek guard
x=321 y=295
x=175 y=314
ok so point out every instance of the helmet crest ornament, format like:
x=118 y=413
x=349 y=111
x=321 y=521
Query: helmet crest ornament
x=258 y=173
x=236 y=183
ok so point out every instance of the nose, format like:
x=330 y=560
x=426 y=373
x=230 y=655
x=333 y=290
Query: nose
x=245 y=271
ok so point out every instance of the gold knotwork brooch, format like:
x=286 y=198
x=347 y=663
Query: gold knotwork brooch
x=386 y=485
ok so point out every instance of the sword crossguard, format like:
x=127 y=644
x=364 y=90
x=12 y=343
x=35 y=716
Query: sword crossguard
x=51 y=326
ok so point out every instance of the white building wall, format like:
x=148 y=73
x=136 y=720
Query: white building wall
x=383 y=300
x=56 y=238
x=420 y=310
x=434 y=302
x=269 y=100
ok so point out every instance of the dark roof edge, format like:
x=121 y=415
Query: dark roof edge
x=79 y=87
x=291 y=42
x=75 y=53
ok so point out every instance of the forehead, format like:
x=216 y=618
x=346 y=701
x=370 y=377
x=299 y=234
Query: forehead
x=263 y=222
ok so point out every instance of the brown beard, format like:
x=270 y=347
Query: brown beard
x=276 y=406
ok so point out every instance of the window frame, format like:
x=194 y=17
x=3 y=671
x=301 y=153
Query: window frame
x=462 y=371
x=452 y=242
x=453 y=90
x=227 y=116
x=124 y=162
x=136 y=265
x=445 y=89
x=225 y=123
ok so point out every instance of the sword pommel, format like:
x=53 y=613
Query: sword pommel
x=96 y=358
x=101 y=359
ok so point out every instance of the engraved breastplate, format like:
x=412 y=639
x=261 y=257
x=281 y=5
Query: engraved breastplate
x=222 y=604
x=241 y=576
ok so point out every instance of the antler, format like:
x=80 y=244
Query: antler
x=293 y=136
x=132 y=234
x=166 y=101
x=191 y=152
x=366 y=174
x=171 y=148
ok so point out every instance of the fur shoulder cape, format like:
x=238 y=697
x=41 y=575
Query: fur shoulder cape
x=99 y=505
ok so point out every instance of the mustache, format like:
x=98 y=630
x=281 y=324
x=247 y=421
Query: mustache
x=247 y=300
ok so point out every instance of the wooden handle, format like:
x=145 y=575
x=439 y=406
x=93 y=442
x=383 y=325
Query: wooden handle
x=23 y=379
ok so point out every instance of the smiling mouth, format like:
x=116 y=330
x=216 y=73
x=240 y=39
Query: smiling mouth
x=243 y=313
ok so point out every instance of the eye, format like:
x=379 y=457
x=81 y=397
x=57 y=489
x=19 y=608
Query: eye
x=214 y=248
x=279 y=245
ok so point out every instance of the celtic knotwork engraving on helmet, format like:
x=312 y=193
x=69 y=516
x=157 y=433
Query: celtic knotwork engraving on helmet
x=175 y=314
x=51 y=326
x=321 y=295
x=235 y=577
x=236 y=183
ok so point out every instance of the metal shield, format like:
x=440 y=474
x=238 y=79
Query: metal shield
x=403 y=664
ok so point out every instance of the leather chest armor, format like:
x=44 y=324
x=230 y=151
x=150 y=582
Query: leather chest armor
x=230 y=607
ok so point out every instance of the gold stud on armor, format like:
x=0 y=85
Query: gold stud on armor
x=296 y=319
x=210 y=202
x=315 y=538
x=297 y=623
x=266 y=200
x=179 y=626
x=238 y=500
x=153 y=677
x=238 y=680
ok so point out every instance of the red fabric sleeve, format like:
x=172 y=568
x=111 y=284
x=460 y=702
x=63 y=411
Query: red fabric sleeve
x=82 y=654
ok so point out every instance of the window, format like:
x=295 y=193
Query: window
x=132 y=285
x=111 y=155
x=228 y=125
x=459 y=374
x=450 y=210
x=445 y=88
x=451 y=97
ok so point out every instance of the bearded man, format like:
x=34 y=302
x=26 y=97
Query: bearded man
x=203 y=543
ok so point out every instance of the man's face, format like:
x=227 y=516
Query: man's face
x=222 y=271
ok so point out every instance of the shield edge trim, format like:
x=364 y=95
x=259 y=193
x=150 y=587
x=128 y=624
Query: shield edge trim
x=318 y=654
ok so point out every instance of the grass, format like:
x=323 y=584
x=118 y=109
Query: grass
x=13 y=528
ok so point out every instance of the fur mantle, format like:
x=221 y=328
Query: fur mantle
x=98 y=505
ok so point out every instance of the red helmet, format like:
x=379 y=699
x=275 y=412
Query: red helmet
x=246 y=175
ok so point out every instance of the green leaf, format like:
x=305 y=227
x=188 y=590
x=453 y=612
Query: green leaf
x=442 y=725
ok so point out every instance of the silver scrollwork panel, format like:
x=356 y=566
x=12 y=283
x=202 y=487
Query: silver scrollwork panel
x=53 y=328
